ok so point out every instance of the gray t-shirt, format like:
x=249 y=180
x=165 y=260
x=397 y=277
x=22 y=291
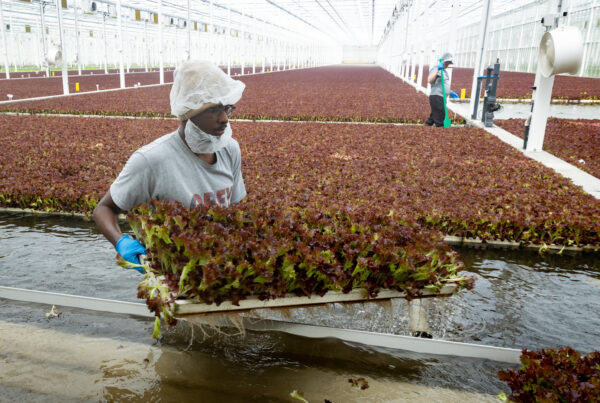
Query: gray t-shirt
x=167 y=169
x=436 y=86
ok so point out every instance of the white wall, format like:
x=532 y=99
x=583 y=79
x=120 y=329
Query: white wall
x=359 y=54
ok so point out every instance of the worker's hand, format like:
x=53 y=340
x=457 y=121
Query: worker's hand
x=440 y=66
x=453 y=95
x=129 y=249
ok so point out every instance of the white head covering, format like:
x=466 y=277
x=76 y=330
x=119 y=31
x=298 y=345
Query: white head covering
x=448 y=58
x=199 y=84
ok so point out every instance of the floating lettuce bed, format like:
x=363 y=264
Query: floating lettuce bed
x=554 y=375
x=576 y=141
x=516 y=84
x=461 y=181
x=212 y=255
x=334 y=93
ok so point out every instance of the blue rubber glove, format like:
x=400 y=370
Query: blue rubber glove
x=440 y=66
x=453 y=95
x=129 y=249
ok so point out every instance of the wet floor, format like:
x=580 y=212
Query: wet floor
x=521 y=299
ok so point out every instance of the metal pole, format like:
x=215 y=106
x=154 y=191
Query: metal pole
x=42 y=5
x=147 y=55
x=6 y=66
x=63 y=49
x=120 y=45
x=210 y=34
x=105 y=43
x=264 y=50
x=228 y=39
x=189 y=27
x=160 y=42
x=77 y=39
x=127 y=54
x=485 y=19
x=254 y=46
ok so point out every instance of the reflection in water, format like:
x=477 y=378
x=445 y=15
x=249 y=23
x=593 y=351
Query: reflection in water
x=521 y=299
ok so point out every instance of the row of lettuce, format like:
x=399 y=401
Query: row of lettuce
x=576 y=141
x=342 y=93
x=441 y=179
x=357 y=83
x=517 y=85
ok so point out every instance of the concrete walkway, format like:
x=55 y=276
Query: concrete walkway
x=589 y=183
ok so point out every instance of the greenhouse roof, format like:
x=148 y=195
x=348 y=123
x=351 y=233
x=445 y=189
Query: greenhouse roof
x=334 y=22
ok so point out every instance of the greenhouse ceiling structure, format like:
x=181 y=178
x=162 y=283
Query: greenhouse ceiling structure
x=285 y=32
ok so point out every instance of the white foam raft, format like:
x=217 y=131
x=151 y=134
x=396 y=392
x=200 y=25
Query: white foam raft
x=186 y=307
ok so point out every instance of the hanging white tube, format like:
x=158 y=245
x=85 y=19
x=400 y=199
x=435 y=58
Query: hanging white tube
x=478 y=68
x=63 y=50
x=6 y=66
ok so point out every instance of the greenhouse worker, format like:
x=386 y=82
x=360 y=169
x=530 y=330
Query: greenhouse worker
x=436 y=99
x=198 y=164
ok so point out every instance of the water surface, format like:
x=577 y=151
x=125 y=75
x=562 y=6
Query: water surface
x=521 y=299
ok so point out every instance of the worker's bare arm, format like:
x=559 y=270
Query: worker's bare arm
x=432 y=76
x=106 y=216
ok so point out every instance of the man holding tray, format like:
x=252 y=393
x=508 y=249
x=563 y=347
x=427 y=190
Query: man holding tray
x=199 y=164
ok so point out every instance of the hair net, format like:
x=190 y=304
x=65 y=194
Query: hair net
x=197 y=84
x=447 y=58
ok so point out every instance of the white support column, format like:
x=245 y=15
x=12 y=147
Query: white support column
x=127 y=54
x=44 y=45
x=243 y=50
x=105 y=43
x=254 y=46
x=541 y=99
x=4 y=42
x=264 y=51
x=271 y=53
x=63 y=50
x=211 y=32
x=189 y=28
x=161 y=65
x=228 y=38
x=452 y=34
x=485 y=19
x=75 y=12
x=120 y=45
x=421 y=67
x=147 y=51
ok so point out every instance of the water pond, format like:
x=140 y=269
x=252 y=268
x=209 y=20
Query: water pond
x=521 y=299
